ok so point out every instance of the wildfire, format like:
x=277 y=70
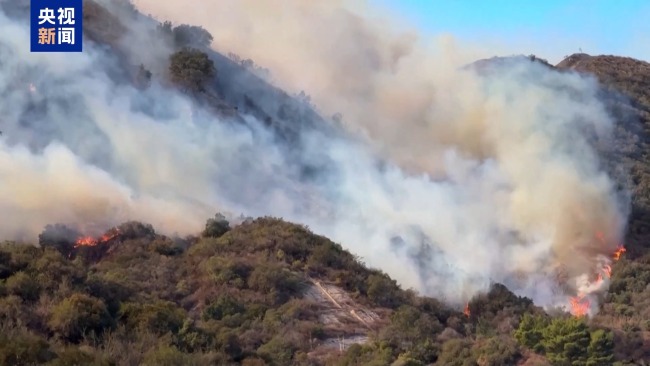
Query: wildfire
x=617 y=254
x=466 y=310
x=89 y=241
x=579 y=306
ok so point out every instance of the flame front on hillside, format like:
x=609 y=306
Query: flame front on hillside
x=89 y=241
x=580 y=304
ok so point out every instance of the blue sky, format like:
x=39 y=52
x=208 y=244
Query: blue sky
x=549 y=28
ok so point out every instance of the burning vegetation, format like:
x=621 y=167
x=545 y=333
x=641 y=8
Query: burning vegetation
x=580 y=305
x=89 y=241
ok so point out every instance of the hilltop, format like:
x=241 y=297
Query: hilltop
x=265 y=291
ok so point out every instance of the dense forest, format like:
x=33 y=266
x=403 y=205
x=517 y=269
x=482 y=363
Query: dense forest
x=264 y=291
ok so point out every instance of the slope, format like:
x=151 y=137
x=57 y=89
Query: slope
x=626 y=91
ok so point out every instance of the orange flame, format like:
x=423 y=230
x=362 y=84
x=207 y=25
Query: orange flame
x=89 y=241
x=86 y=241
x=617 y=254
x=579 y=306
x=466 y=310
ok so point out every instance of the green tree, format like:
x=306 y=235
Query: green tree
x=414 y=331
x=530 y=332
x=216 y=227
x=566 y=341
x=191 y=36
x=383 y=291
x=601 y=348
x=191 y=69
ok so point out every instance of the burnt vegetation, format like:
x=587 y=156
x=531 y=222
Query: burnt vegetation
x=237 y=294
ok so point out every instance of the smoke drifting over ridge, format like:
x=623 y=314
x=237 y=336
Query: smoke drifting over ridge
x=490 y=176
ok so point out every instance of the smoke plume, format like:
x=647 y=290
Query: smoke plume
x=446 y=177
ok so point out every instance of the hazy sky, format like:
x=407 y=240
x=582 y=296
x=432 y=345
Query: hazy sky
x=550 y=29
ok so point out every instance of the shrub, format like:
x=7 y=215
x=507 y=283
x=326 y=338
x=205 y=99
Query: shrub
x=24 y=286
x=279 y=283
x=192 y=339
x=20 y=347
x=78 y=356
x=112 y=293
x=228 y=272
x=224 y=306
x=277 y=351
x=52 y=269
x=456 y=352
x=168 y=356
x=79 y=315
x=160 y=317
x=496 y=351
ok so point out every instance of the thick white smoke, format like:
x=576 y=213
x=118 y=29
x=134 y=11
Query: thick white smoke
x=484 y=176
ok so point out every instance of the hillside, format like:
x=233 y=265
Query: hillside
x=265 y=291
x=269 y=292
x=626 y=91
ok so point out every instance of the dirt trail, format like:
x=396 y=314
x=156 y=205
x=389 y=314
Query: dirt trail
x=341 y=315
